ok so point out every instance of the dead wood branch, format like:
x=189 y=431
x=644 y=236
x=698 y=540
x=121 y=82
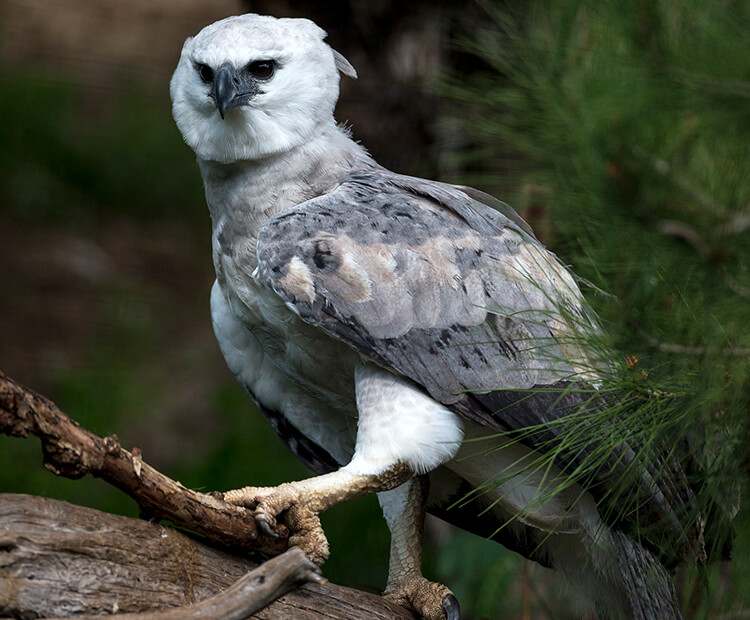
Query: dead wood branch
x=253 y=592
x=61 y=560
x=74 y=452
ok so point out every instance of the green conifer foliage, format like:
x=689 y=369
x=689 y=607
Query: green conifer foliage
x=621 y=131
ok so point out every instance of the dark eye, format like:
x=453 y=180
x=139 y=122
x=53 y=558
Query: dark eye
x=261 y=69
x=205 y=73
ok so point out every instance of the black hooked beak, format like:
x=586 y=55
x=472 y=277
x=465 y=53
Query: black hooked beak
x=230 y=89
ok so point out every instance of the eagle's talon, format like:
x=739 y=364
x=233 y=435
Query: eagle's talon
x=265 y=516
x=268 y=503
x=266 y=529
x=451 y=607
x=433 y=601
x=248 y=497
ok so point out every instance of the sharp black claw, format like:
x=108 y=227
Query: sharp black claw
x=451 y=607
x=267 y=531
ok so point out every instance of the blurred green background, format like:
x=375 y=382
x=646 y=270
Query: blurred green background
x=621 y=131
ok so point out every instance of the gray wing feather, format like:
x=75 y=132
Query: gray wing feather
x=482 y=212
x=458 y=299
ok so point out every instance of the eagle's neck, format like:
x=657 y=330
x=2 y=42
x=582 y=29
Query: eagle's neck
x=252 y=191
x=243 y=195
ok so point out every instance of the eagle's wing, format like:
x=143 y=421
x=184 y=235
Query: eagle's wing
x=455 y=299
x=426 y=280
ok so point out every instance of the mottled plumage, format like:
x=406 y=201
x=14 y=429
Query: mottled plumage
x=378 y=320
x=406 y=280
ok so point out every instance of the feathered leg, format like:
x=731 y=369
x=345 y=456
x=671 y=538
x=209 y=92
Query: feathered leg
x=400 y=431
x=404 y=510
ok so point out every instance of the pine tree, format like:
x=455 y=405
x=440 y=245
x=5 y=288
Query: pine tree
x=621 y=131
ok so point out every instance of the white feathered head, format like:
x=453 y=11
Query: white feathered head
x=252 y=86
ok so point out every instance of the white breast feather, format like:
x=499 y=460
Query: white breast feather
x=321 y=420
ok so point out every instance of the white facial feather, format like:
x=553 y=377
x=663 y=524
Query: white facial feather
x=293 y=105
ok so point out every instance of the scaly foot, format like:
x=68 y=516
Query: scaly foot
x=302 y=501
x=288 y=500
x=429 y=599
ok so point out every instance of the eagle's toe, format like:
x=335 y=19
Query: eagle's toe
x=431 y=600
x=307 y=533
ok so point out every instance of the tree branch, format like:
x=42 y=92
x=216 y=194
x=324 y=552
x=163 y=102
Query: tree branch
x=74 y=452
x=251 y=593
x=58 y=559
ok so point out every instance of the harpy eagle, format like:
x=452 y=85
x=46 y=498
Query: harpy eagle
x=401 y=334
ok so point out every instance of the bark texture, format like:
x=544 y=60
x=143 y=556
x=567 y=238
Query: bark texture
x=62 y=560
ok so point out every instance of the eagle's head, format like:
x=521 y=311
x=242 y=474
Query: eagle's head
x=252 y=86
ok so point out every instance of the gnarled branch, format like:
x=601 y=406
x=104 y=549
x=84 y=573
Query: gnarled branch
x=74 y=452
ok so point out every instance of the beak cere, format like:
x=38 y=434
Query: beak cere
x=231 y=89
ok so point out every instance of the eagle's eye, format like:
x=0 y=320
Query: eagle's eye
x=261 y=69
x=205 y=73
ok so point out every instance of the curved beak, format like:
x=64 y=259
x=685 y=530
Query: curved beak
x=230 y=90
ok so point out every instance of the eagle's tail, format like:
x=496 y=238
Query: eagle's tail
x=647 y=586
